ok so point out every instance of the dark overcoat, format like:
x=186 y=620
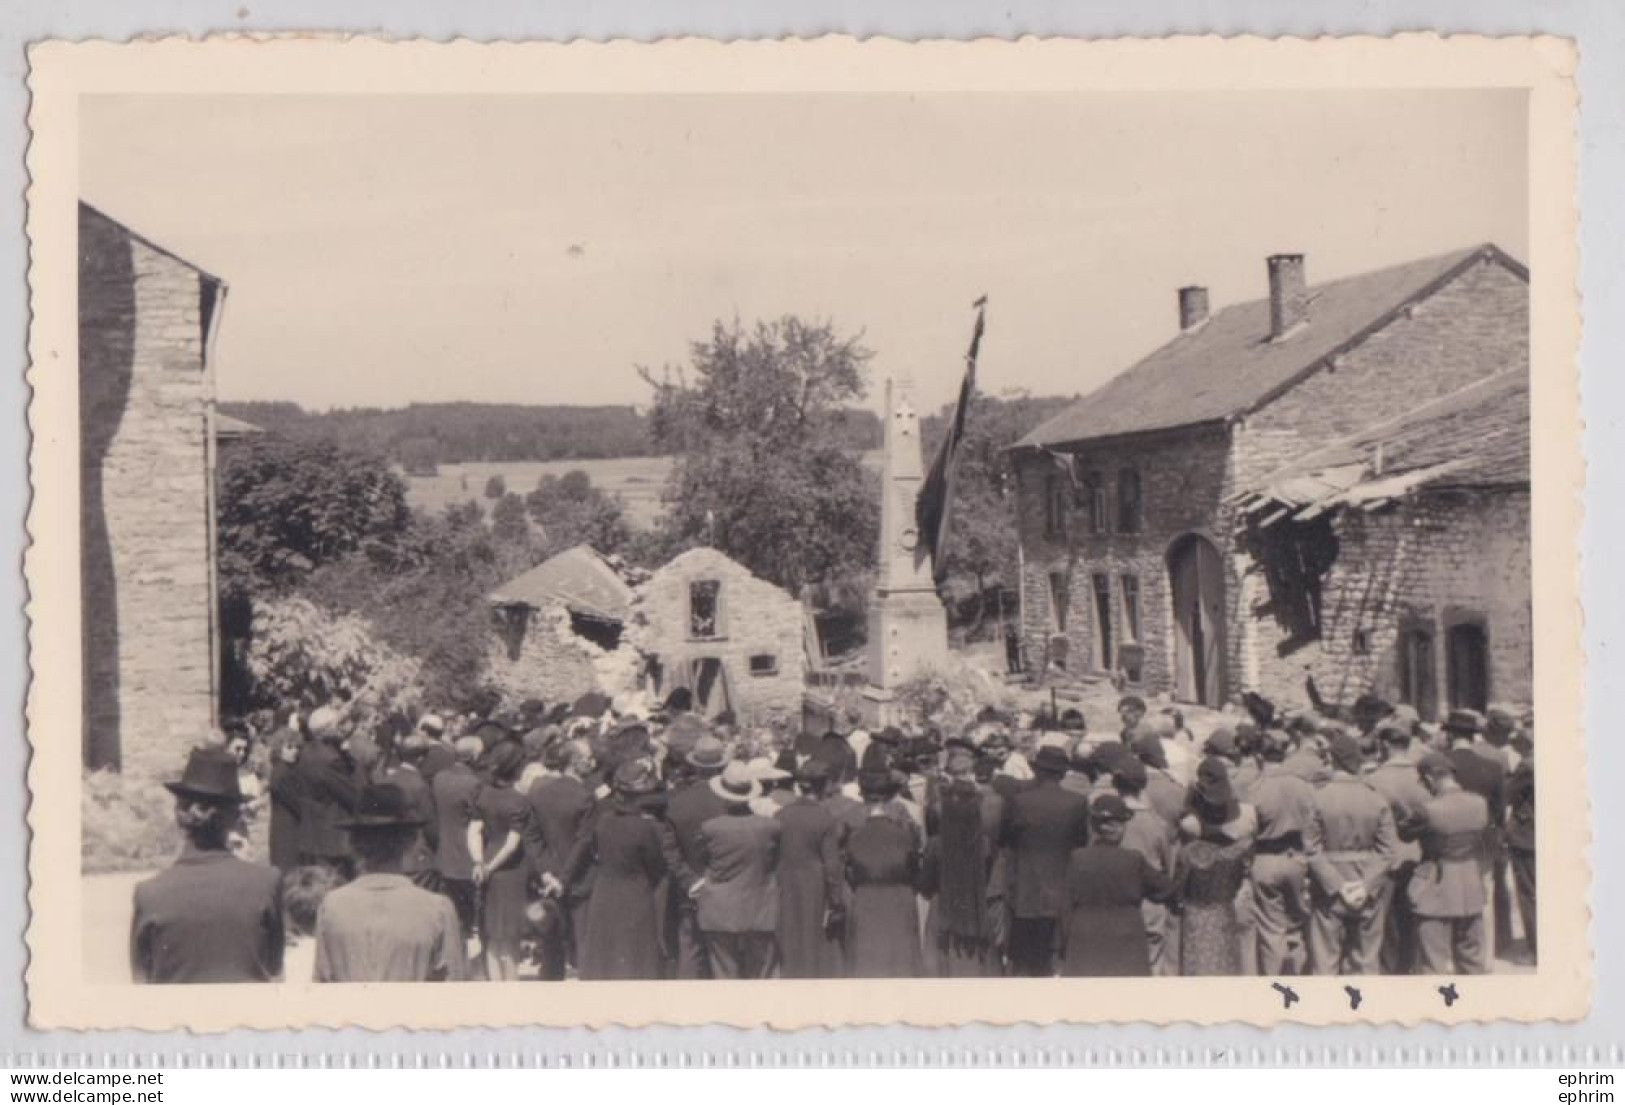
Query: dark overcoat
x=621 y=931
x=209 y=918
x=811 y=887
x=330 y=793
x=560 y=811
x=287 y=814
x=1042 y=826
x=883 y=924
x=1105 y=928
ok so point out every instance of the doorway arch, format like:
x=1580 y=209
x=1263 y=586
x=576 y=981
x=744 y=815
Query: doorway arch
x=1196 y=587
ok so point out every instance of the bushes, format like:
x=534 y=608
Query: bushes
x=951 y=696
x=127 y=824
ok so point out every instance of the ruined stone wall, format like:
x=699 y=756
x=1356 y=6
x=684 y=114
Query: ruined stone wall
x=1437 y=561
x=540 y=657
x=143 y=394
x=757 y=619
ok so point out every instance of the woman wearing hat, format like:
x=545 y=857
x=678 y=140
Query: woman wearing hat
x=1209 y=873
x=1104 y=933
x=211 y=917
x=497 y=817
x=882 y=866
x=620 y=937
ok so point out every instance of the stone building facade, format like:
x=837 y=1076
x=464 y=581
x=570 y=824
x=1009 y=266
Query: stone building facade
x=146 y=533
x=1131 y=560
x=736 y=642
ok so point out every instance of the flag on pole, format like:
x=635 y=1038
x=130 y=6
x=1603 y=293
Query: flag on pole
x=934 y=505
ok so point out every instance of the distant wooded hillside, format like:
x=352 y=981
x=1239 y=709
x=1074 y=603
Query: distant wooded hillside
x=424 y=435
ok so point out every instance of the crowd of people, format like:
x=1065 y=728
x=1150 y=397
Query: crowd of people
x=586 y=841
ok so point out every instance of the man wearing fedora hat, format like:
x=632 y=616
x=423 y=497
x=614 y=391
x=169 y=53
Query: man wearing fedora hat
x=381 y=927
x=738 y=893
x=690 y=806
x=210 y=917
x=1042 y=825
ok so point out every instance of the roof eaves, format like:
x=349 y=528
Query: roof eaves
x=1114 y=439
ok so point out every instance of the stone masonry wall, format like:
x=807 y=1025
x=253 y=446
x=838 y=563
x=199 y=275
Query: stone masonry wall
x=148 y=665
x=1184 y=478
x=757 y=618
x=551 y=662
x=1475 y=325
x=1437 y=561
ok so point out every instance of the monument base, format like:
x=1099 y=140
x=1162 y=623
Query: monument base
x=908 y=633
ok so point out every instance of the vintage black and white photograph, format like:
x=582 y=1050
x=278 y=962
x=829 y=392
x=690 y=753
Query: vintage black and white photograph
x=576 y=537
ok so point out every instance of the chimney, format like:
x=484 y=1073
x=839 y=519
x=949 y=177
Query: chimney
x=1289 y=298
x=1192 y=307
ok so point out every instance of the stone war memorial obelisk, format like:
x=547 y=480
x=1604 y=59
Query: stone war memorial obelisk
x=908 y=628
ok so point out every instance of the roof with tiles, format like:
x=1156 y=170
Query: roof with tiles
x=1228 y=366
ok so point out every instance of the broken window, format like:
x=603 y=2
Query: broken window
x=1295 y=557
x=705 y=608
x=1128 y=500
x=764 y=664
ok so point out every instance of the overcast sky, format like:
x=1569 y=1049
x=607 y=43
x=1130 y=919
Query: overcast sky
x=391 y=249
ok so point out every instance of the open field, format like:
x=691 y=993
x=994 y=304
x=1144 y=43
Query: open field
x=637 y=481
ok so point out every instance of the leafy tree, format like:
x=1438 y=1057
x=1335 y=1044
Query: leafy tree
x=286 y=507
x=431 y=606
x=496 y=487
x=305 y=656
x=982 y=535
x=571 y=511
x=509 y=521
x=759 y=474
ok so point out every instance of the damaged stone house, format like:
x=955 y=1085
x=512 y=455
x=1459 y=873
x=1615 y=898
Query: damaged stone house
x=1138 y=559
x=147 y=320
x=556 y=626
x=704 y=622
x=1405 y=550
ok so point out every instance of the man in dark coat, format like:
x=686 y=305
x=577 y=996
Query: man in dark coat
x=328 y=778
x=210 y=917
x=811 y=884
x=738 y=895
x=437 y=754
x=418 y=861
x=561 y=806
x=454 y=790
x=1041 y=827
x=690 y=806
